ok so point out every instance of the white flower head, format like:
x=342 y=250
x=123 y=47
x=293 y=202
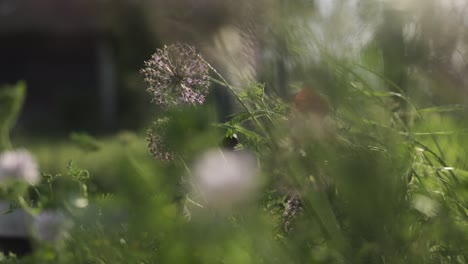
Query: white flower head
x=19 y=165
x=51 y=226
x=226 y=178
x=425 y=205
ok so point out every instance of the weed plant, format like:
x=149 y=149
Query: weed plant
x=353 y=170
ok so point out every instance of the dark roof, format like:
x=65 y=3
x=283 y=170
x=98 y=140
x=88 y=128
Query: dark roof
x=49 y=16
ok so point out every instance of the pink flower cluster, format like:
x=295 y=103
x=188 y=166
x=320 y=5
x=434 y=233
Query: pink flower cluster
x=177 y=75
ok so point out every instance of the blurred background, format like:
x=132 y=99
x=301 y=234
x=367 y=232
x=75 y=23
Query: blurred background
x=395 y=75
x=80 y=59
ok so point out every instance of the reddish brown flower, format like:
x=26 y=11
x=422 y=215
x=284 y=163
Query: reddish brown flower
x=308 y=101
x=308 y=117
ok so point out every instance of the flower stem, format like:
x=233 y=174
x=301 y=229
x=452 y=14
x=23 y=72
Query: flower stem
x=224 y=83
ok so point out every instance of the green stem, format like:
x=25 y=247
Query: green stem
x=191 y=183
x=225 y=83
x=25 y=206
x=5 y=142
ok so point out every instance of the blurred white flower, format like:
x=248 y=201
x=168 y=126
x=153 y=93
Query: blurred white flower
x=425 y=205
x=51 y=226
x=80 y=202
x=226 y=178
x=19 y=165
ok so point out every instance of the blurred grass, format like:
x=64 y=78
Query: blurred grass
x=359 y=204
x=387 y=184
x=54 y=154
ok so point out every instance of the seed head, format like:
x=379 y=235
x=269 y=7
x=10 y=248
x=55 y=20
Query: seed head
x=292 y=209
x=177 y=75
x=157 y=142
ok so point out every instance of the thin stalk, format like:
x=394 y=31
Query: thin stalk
x=5 y=142
x=225 y=83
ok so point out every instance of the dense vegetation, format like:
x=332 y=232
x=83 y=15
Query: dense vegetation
x=362 y=165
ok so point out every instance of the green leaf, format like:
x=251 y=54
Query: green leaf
x=11 y=102
x=440 y=109
x=85 y=141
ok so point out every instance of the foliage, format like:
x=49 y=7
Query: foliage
x=367 y=190
x=11 y=102
x=372 y=173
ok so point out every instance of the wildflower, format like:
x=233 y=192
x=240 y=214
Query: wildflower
x=309 y=118
x=157 y=142
x=51 y=226
x=80 y=202
x=292 y=209
x=309 y=101
x=19 y=165
x=226 y=177
x=425 y=205
x=177 y=75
